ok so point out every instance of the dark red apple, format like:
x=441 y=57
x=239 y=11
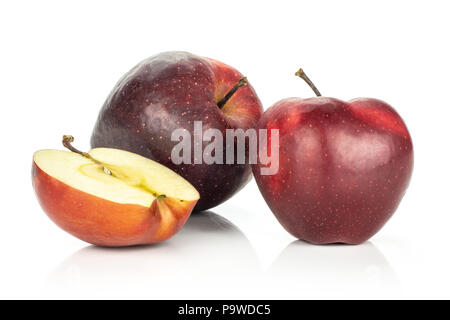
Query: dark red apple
x=343 y=167
x=170 y=91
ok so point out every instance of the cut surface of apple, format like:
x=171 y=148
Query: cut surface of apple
x=133 y=201
x=134 y=179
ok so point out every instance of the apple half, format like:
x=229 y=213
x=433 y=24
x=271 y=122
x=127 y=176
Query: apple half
x=110 y=197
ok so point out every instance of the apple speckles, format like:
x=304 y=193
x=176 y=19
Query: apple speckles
x=170 y=91
x=379 y=114
x=348 y=175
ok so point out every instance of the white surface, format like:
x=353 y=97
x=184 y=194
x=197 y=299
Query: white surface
x=58 y=62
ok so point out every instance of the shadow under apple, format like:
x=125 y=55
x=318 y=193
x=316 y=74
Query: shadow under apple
x=209 y=250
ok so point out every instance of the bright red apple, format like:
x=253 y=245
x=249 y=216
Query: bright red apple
x=343 y=167
x=110 y=197
x=171 y=91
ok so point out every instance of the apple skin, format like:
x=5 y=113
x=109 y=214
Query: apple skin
x=343 y=167
x=105 y=223
x=170 y=91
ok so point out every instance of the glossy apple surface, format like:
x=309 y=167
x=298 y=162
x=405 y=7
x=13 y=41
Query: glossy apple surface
x=121 y=209
x=170 y=91
x=343 y=167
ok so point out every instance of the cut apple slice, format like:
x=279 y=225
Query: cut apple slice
x=111 y=197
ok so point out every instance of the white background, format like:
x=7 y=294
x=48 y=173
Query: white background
x=60 y=59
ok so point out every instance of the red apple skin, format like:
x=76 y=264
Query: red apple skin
x=343 y=167
x=105 y=223
x=170 y=91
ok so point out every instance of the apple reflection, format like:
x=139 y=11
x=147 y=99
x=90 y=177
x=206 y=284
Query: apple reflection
x=332 y=270
x=209 y=250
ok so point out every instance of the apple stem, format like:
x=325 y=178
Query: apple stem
x=242 y=82
x=67 y=140
x=300 y=73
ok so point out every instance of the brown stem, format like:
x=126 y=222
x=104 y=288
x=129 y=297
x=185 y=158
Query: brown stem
x=242 y=82
x=300 y=73
x=67 y=140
